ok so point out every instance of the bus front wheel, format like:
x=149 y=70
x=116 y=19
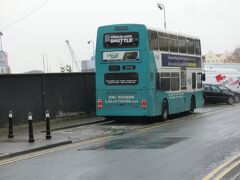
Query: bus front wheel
x=164 y=111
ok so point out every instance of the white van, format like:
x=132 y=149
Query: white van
x=227 y=77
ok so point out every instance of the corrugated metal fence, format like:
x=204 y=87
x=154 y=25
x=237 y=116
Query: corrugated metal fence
x=61 y=93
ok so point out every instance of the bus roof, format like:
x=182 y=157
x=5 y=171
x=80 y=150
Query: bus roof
x=174 y=33
x=217 y=70
x=150 y=28
x=121 y=25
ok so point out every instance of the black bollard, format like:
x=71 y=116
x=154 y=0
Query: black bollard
x=10 y=125
x=31 y=138
x=48 y=130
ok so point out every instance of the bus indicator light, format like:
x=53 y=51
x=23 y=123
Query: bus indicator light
x=99 y=104
x=144 y=103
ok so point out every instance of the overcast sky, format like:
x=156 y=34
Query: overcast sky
x=216 y=22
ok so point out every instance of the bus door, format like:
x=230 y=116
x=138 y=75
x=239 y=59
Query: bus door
x=183 y=88
x=191 y=86
x=191 y=80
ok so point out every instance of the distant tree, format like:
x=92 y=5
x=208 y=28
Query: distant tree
x=62 y=69
x=65 y=68
x=235 y=57
x=68 y=68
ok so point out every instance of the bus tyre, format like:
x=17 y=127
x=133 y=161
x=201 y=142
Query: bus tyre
x=164 y=116
x=192 y=105
x=236 y=99
x=230 y=100
x=108 y=118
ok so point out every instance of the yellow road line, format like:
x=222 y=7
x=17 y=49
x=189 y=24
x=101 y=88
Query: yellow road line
x=219 y=168
x=158 y=125
x=175 y=121
x=227 y=170
x=51 y=150
x=68 y=146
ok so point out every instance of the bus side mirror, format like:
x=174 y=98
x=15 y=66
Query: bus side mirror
x=203 y=77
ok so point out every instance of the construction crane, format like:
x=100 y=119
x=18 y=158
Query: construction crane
x=74 y=59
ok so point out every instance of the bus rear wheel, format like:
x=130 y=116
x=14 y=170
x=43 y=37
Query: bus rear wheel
x=164 y=116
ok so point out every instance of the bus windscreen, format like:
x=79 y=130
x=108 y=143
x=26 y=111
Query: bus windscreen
x=121 y=40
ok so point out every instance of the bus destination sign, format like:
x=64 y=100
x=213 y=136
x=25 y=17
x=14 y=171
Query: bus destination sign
x=121 y=40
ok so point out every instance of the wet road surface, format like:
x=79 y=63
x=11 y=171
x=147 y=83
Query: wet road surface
x=187 y=147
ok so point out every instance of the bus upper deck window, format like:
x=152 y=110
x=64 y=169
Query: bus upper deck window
x=182 y=41
x=198 y=47
x=163 y=41
x=190 y=46
x=173 y=43
x=153 y=40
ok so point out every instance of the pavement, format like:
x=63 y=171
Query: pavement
x=10 y=147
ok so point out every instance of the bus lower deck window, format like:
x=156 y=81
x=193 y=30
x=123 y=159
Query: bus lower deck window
x=174 y=81
x=165 y=81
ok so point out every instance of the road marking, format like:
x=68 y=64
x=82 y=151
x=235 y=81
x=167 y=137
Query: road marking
x=159 y=125
x=227 y=170
x=220 y=168
x=104 y=138
x=52 y=150
x=68 y=146
x=177 y=120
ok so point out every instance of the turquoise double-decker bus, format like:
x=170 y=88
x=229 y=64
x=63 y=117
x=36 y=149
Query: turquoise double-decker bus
x=142 y=71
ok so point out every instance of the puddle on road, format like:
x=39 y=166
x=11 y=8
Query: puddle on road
x=131 y=143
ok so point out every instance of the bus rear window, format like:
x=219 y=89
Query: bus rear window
x=121 y=79
x=121 y=40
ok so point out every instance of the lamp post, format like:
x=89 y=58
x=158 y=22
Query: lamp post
x=90 y=41
x=162 y=7
x=45 y=62
x=1 y=34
